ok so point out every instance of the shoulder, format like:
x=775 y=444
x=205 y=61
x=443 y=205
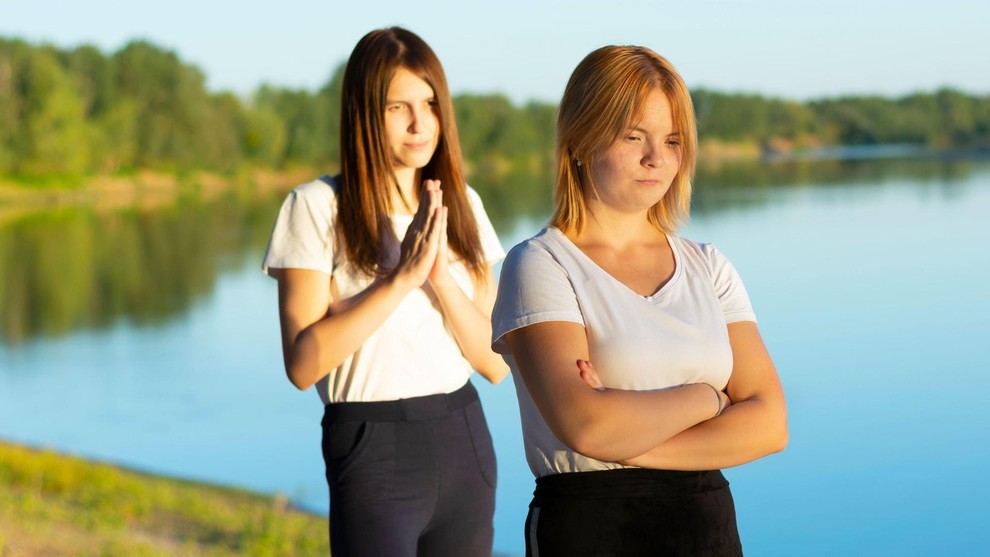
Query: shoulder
x=701 y=251
x=472 y=195
x=542 y=245
x=691 y=246
x=323 y=189
x=316 y=200
x=533 y=257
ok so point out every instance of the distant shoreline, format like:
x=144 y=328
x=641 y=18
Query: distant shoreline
x=149 y=189
x=144 y=190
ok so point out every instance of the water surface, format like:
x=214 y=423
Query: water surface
x=151 y=340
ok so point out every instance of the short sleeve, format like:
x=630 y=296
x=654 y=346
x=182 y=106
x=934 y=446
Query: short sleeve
x=532 y=288
x=302 y=237
x=489 y=240
x=729 y=288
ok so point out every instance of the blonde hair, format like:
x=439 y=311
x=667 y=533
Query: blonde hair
x=606 y=92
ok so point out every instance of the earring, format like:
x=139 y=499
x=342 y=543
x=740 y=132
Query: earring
x=578 y=163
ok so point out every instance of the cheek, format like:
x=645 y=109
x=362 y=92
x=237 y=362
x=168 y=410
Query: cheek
x=603 y=171
x=393 y=130
x=434 y=121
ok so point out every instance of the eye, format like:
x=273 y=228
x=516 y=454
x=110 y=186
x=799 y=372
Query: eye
x=633 y=137
x=394 y=107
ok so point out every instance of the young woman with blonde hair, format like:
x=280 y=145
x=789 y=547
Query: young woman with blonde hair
x=390 y=330
x=627 y=451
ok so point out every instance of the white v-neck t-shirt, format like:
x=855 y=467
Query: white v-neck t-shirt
x=413 y=353
x=675 y=336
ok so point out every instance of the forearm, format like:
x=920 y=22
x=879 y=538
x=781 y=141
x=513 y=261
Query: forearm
x=324 y=345
x=608 y=425
x=618 y=424
x=472 y=330
x=746 y=431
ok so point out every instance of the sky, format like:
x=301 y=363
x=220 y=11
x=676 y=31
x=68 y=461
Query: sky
x=527 y=49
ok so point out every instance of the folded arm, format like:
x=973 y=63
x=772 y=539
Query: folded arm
x=608 y=425
x=753 y=427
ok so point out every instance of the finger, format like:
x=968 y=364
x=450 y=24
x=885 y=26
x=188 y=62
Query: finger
x=589 y=375
x=437 y=194
x=590 y=381
x=443 y=224
x=430 y=187
x=433 y=227
x=425 y=209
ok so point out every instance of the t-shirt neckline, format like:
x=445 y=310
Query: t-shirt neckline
x=568 y=244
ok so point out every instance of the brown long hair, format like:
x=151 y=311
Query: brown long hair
x=607 y=91
x=366 y=173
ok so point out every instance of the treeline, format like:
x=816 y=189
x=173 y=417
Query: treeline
x=76 y=112
x=946 y=119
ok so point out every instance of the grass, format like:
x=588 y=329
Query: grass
x=53 y=504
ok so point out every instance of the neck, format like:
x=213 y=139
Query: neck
x=606 y=226
x=406 y=199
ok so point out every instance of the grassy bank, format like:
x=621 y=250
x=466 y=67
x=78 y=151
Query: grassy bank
x=52 y=505
x=145 y=190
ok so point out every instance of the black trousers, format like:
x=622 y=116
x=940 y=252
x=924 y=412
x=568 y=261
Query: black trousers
x=632 y=512
x=412 y=477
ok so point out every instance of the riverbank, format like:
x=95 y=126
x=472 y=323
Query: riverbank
x=144 y=190
x=53 y=504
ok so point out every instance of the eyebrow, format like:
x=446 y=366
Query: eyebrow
x=641 y=130
x=391 y=101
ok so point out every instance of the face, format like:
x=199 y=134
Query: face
x=412 y=126
x=634 y=173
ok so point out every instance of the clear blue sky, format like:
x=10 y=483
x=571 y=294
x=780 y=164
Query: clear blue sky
x=526 y=50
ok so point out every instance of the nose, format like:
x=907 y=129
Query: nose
x=415 y=122
x=655 y=156
x=418 y=120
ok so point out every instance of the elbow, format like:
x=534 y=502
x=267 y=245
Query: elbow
x=302 y=362
x=497 y=373
x=493 y=369
x=299 y=380
x=780 y=436
x=495 y=379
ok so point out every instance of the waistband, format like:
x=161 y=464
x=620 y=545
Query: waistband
x=402 y=410
x=625 y=483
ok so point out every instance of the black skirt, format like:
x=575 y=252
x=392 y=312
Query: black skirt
x=635 y=512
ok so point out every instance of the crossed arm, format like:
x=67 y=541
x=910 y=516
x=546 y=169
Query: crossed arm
x=670 y=429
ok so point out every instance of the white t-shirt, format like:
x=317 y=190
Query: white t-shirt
x=412 y=353
x=676 y=336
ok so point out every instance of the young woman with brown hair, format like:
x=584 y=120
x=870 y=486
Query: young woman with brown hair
x=390 y=330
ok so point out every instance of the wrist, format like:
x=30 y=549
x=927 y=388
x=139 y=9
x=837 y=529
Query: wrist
x=718 y=398
x=397 y=280
x=444 y=282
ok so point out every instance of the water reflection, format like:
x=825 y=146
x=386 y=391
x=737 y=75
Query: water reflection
x=738 y=184
x=79 y=269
